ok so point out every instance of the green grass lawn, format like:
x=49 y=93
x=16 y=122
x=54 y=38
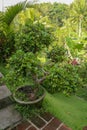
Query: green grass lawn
x=71 y=110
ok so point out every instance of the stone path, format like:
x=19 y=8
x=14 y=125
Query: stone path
x=4 y=92
x=41 y=122
x=8 y=117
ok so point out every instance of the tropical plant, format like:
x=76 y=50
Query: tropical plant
x=73 y=46
x=78 y=14
x=6 y=30
x=58 y=12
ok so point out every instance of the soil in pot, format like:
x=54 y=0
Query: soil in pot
x=29 y=93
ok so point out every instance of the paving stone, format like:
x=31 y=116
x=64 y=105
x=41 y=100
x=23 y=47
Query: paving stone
x=85 y=128
x=8 y=117
x=5 y=102
x=53 y=125
x=32 y=128
x=37 y=121
x=23 y=125
x=4 y=92
x=47 y=116
x=64 y=127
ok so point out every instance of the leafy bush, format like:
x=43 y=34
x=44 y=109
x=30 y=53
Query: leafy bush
x=83 y=72
x=33 y=37
x=6 y=45
x=63 y=78
x=57 y=54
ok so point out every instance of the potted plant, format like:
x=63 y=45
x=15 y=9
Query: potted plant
x=25 y=63
x=27 y=66
x=29 y=94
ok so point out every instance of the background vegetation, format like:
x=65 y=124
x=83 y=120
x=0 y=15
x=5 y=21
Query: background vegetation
x=48 y=40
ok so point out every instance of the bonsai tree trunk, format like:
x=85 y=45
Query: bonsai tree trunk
x=39 y=81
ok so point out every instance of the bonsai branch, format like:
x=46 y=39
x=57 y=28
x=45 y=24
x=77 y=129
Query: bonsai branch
x=39 y=81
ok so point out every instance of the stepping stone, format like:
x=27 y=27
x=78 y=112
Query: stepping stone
x=4 y=92
x=5 y=102
x=9 y=117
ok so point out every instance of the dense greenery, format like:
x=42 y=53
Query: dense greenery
x=24 y=67
x=7 y=31
x=41 y=43
x=83 y=72
x=57 y=54
x=32 y=37
x=58 y=13
x=63 y=78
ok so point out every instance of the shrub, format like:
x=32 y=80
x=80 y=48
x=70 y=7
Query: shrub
x=6 y=45
x=57 y=54
x=83 y=72
x=33 y=37
x=63 y=79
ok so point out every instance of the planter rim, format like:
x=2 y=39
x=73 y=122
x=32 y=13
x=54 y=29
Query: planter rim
x=28 y=102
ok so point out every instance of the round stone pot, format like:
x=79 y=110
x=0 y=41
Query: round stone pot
x=33 y=101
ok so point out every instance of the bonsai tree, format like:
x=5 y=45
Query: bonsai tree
x=25 y=64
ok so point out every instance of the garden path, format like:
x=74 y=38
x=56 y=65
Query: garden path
x=42 y=122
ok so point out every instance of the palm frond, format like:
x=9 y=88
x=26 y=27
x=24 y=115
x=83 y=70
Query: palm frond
x=11 y=12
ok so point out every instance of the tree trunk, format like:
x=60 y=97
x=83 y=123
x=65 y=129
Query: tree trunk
x=80 y=27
